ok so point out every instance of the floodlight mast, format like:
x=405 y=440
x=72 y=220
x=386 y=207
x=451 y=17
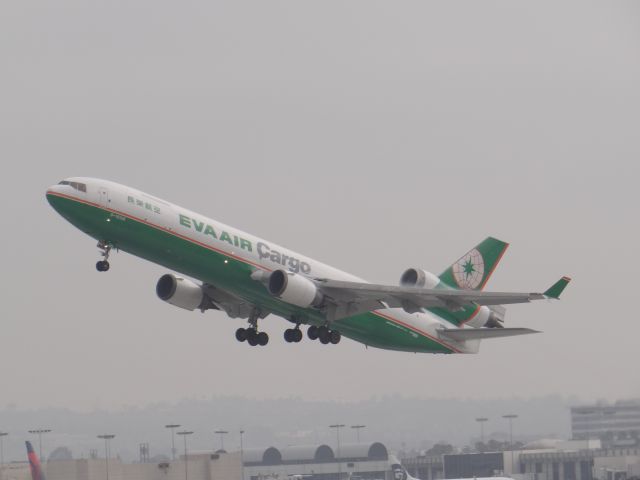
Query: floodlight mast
x=173 y=426
x=107 y=437
x=338 y=426
x=184 y=434
x=39 y=432
x=511 y=417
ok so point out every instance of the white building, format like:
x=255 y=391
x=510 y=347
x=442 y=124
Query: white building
x=366 y=461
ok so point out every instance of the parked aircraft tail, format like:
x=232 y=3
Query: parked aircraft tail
x=473 y=269
x=398 y=472
x=34 y=463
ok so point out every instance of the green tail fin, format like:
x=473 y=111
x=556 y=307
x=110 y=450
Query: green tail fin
x=473 y=269
x=557 y=288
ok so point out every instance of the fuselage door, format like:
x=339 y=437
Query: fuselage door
x=103 y=195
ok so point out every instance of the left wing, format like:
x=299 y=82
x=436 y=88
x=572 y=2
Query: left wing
x=356 y=297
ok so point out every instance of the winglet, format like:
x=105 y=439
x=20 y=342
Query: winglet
x=557 y=288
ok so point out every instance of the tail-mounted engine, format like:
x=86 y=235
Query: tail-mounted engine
x=180 y=292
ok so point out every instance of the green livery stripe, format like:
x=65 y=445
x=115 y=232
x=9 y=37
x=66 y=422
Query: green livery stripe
x=215 y=266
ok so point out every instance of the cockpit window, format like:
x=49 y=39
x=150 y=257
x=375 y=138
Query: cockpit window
x=81 y=187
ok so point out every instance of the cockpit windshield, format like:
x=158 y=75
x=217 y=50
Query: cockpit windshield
x=81 y=187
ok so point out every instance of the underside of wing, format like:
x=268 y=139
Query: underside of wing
x=461 y=334
x=399 y=296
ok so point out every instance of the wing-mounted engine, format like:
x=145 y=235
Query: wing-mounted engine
x=415 y=277
x=294 y=289
x=181 y=292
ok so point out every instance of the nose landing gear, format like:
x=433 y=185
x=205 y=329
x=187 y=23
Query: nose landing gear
x=103 y=265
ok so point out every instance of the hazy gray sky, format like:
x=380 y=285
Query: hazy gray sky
x=370 y=135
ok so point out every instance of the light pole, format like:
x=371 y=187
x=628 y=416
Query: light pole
x=338 y=426
x=510 y=417
x=481 y=421
x=107 y=450
x=357 y=429
x=184 y=434
x=39 y=432
x=2 y=435
x=241 y=454
x=173 y=426
x=222 y=433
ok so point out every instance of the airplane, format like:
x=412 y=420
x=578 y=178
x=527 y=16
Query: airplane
x=34 y=463
x=249 y=278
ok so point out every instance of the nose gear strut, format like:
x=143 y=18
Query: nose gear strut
x=103 y=265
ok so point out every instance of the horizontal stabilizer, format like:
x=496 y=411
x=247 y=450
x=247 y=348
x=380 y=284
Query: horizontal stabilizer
x=461 y=334
x=557 y=288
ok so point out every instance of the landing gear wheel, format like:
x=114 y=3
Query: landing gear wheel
x=252 y=337
x=262 y=338
x=241 y=334
x=297 y=335
x=288 y=335
x=102 y=266
x=334 y=337
x=324 y=335
x=105 y=247
x=312 y=332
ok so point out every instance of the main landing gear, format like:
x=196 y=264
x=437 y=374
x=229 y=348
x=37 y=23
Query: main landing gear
x=103 y=265
x=324 y=334
x=293 y=335
x=252 y=336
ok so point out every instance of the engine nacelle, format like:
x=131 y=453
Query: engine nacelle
x=415 y=277
x=180 y=292
x=294 y=289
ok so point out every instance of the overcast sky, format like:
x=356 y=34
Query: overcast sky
x=373 y=136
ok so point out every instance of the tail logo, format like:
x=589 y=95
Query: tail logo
x=468 y=272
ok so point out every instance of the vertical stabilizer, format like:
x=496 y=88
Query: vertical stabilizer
x=473 y=269
x=34 y=463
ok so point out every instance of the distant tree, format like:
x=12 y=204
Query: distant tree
x=61 y=453
x=440 y=449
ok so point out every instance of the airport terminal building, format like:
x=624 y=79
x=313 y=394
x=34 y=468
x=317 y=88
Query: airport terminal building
x=362 y=461
x=365 y=461
x=616 y=425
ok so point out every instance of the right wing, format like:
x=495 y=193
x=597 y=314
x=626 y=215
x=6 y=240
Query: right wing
x=351 y=298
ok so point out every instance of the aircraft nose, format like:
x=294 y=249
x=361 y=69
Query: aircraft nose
x=53 y=189
x=52 y=195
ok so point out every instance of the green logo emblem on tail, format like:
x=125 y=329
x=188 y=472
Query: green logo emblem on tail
x=468 y=272
x=473 y=269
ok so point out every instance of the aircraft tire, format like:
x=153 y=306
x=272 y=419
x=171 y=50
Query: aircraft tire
x=335 y=336
x=252 y=337
x=297 y=335
x=288 y=337
x=262 y=338
x=102 y=266
x=241 y=334
x=312 y=332
x=324 y=335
